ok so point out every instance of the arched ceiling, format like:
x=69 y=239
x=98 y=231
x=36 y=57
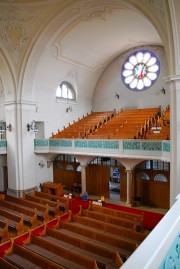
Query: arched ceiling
x=99 y=31
x=93 y=42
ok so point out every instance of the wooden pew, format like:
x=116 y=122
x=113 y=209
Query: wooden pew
x=19 y=257
x=14 y=222
x=30 y=215
x=59 y=254
x=139 y=218
x=43 y=211
x=7 y=265
x=54 y=207
x=123 y=245
x=64 y=202
x=4 y=232
x=107 y=228
x=103 y=256
x=126 y=223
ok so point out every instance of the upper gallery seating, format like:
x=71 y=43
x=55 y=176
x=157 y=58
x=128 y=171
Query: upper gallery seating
x=146 y=123
x=83 y=127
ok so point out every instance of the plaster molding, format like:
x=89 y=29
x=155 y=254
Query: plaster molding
x=2 y=92
x=15 y=28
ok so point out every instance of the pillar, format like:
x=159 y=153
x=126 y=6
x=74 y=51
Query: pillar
x=129 y=182
x=172 y=84
x=20 y=149
x=83 y=177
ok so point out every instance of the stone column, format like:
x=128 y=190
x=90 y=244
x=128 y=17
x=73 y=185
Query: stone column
x=129 y=182
x=20 y=149
x=172 y=84
x=83 y=177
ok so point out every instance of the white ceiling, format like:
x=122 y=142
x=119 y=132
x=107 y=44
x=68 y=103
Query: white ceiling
x=95 y=42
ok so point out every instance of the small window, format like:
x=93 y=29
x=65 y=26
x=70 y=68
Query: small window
x=160 y=177
x=65 y=92
x=142 y=176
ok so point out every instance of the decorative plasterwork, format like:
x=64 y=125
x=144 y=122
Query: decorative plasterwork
x=2 y=94
x=87 y=11
x=15 y=27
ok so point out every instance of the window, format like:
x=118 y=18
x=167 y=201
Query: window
x=160 y=177
x=140 y=70
x=65 y=91
x=143 y=176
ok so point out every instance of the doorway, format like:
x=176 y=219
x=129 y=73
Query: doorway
x=114 y=183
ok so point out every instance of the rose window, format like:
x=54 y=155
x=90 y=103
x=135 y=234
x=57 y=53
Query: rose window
x=140 y=70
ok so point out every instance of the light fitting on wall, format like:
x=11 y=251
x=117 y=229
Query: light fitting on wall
x=163 y=91
x=9 y=127
x=32 y=126
x=3 y=127
x=41 y=164
x=69 y=109
x=116 y=95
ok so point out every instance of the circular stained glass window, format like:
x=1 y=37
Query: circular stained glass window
x=140 y=70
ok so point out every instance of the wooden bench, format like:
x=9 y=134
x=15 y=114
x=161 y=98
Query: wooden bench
x=7 y=265
x=108 y=228
x=130 y=224
x=14 y=222
x=4 y=232
x=54 y=207
x=60 y=255
x=64 y=201
x=30 y=215
x=123 y=245
x=139 y=218
x=102 y=255
x=19 y=257
x=43 y=211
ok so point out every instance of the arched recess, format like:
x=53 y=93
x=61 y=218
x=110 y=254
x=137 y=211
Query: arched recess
x=151 y=182
x=63 y=21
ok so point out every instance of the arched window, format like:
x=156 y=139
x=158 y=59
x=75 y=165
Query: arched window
x=140 y=70
x=65 y=92
x=160 y=177
x=142 y=175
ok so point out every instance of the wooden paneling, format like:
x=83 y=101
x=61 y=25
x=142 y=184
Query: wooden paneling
x=153 y=193
x=97 y=180
x=66 y=177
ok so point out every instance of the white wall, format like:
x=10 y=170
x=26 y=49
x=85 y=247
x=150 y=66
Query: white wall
x=110 y=83
x=49 y=74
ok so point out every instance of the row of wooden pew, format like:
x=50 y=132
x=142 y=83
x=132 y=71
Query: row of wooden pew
x=124 y=124
x=19 y=214
x=96 y=237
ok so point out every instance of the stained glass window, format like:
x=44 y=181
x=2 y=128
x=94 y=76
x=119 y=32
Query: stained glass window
x=140 y=70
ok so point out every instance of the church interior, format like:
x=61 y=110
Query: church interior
x=89 y=126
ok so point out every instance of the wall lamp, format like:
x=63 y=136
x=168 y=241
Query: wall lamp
x=69 y=109
x=163 y=91
x=3 y=127
x=117 y=96
x=9 y=127
x=41 y=164
x=32 y=126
